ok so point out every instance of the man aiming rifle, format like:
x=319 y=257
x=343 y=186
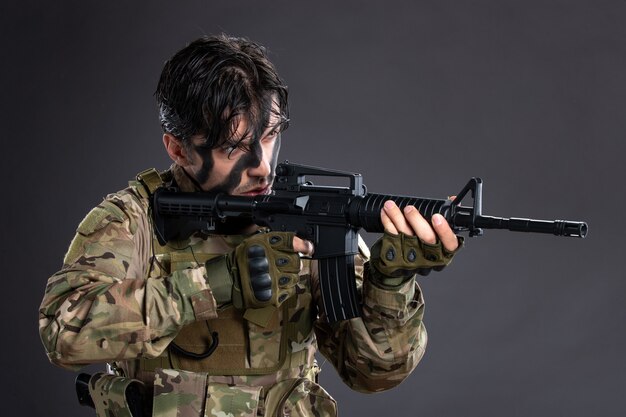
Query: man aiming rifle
x=228 y=322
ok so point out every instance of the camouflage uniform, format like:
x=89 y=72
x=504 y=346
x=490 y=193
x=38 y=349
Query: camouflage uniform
x=122 y=298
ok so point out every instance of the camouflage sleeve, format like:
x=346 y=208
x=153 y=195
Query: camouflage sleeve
x=378 y=350
x=102 y=306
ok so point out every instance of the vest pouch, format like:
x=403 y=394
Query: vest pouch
x=178 y=393
x=229 y=356
x=186 y=394
x=116 y=396
x=299 y=397
x=232 y=400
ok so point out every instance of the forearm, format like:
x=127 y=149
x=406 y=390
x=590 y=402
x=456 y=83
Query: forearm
x=106 y=303
x=394 y=322
x=86 y=317
x=378 y=350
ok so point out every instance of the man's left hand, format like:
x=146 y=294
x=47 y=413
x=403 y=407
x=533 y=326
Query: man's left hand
x=410 y=245
x=412 y=223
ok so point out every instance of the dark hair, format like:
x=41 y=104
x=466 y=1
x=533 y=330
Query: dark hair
x=213 y=83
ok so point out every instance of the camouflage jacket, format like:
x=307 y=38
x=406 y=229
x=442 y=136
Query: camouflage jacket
x=119 y=299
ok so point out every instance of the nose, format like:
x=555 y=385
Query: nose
x=264 y=169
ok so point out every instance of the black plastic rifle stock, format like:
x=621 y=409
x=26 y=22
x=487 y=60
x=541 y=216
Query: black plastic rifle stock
x=330 y=217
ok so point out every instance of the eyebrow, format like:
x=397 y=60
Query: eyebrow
x=282 y=121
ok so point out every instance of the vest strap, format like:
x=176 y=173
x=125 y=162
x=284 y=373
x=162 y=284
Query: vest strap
x=220 y=279
x=150 y=178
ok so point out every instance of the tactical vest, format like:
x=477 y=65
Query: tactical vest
x=240 y=363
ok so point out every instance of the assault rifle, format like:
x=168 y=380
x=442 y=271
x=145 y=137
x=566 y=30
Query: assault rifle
x=330 y=217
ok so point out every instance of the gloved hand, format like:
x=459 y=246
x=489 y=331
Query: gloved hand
x=263 y=270
x=397 y=257
x=410 y=245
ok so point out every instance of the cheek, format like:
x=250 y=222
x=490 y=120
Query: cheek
x=208 y=162
x=274 y=151
x=251 y=159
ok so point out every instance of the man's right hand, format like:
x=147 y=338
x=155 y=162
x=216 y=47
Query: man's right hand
x=265 y=269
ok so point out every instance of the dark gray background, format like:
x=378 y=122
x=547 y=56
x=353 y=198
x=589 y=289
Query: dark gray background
x=418 y=97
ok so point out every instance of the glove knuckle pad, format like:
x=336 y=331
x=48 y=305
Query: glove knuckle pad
x=261 y=282
x=256 y=251
x=258 y=266
x=282 y=241
x=268 y=269
x=264 y=296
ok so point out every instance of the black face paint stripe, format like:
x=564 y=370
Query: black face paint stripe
x=207 y=164
x=250 y=159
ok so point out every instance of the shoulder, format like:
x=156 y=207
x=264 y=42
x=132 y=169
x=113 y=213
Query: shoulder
x=125 y=208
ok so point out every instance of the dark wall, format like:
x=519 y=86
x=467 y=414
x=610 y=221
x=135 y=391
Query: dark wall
x=418 y=96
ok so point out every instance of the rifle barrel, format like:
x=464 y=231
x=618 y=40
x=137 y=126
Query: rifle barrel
x=516 y=224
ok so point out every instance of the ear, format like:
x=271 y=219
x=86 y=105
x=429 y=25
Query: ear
x=175 y=149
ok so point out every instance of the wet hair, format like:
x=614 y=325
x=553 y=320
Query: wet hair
x=215 y=83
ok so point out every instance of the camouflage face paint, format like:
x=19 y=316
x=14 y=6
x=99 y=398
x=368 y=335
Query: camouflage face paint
x=234 y=225
x=207 y=164
x=252 y=155
x=250 y=159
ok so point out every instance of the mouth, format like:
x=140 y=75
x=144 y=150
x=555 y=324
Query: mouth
x=258 y=191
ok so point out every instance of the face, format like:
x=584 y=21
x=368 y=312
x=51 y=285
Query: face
x=238 y=170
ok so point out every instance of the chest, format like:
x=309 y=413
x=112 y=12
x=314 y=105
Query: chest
x=237 y=342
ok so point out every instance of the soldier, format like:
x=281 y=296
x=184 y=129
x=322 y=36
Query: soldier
x=181 y=322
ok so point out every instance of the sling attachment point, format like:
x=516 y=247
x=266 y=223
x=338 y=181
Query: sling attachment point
x=194 y=355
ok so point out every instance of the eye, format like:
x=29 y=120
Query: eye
x=272 y=135
x=229 y=149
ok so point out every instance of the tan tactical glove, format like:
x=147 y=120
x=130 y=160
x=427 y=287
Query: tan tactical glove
x=396 y=258
x=263 y=271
